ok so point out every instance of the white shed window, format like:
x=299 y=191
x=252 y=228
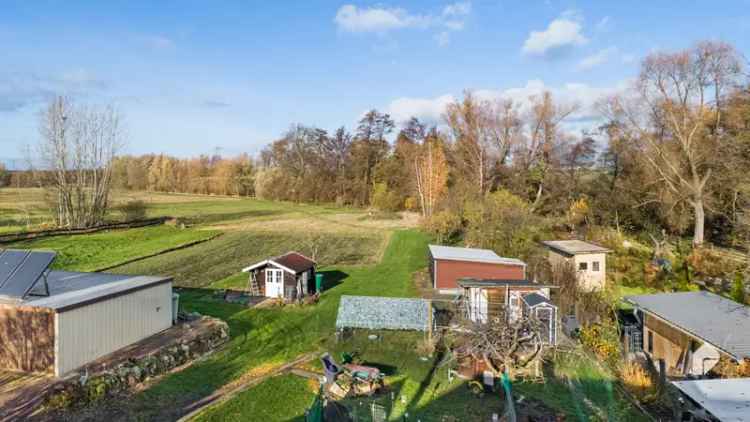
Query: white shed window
x=583 y=266
x=595 y=266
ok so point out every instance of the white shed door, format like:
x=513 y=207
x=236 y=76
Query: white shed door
x=274 y=282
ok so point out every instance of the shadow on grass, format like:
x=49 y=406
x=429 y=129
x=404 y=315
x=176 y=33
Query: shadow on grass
x=207 y=302
x=332 y=278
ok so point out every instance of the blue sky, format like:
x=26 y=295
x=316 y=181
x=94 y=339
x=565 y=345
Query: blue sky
x=192 y=76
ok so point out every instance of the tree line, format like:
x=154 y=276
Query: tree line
x=669 y=153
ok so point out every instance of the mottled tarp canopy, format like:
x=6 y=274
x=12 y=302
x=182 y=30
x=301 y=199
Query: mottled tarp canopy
x=384 y=313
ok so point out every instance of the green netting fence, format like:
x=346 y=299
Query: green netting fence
x=315 y=412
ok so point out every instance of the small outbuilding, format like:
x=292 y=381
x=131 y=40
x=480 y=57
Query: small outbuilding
x=724 y=400
x=511 y=299
x=691 y=331
x=290 y=277
x=449 y=264
x=588 y=259
x=54 y=322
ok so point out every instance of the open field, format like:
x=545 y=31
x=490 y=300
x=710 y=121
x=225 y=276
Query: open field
x=358 y=253
x=27 y=209
x=105 y=249
x=252 y=230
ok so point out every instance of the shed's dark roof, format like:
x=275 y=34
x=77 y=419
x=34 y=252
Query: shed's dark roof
x=721 y=322
x=473 y=282
x=295 y=261
x=534 y=299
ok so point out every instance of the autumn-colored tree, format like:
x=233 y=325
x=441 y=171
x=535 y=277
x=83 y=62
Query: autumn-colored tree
x=472 y=140
x=431 y=173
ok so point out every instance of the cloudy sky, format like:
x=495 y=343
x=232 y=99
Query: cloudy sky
x=193 y=76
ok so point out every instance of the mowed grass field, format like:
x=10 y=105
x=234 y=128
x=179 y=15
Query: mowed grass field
x=358 y=253
x=242 y=231
x=100 y=250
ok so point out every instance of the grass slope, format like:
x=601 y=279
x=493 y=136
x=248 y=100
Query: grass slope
x=263 y=337
x=103 y=249
x=281 y=398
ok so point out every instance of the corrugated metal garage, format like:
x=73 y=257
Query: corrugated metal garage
x=65 y=320
x=90 y=331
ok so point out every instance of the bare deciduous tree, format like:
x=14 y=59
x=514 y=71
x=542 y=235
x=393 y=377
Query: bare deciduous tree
x=542 y=138
x=504 y=344
x=78 y=145
x=675 y=121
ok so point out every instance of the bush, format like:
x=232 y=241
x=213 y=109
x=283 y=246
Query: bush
x=504 y=223
x=706 y=262
x=579 y=213
x=738 y=289
x=638 y=382
x=604 y=341
x=444 y=225
x=133 y=210
x=385 y=199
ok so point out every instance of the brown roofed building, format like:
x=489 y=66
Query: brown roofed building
x=290 y=276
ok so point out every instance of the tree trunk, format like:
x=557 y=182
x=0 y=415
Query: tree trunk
x=700 y=221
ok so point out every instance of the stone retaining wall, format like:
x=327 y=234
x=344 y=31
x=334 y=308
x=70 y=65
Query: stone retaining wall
x=87 y=388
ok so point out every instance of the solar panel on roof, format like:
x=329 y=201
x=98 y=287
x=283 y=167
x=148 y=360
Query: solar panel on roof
x=9 y=261
x=22 y=280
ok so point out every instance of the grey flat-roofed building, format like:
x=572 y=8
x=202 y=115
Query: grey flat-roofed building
x=727 y=400
x=574 y=247
x=703 y=316
x=472 y=255
x=587 y=259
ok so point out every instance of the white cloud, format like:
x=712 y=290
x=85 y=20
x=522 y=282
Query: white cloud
x=562 y=33
x=428 y=109
x=584 y=95
x=380 y=19
x=457 y=9
x=21 y=89
x=377 y=19
x=596 y=59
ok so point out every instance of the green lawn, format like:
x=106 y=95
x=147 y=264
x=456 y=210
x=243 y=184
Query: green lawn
x=104 y=249
x=262 y=337
x=281 y=398
x=228 y=254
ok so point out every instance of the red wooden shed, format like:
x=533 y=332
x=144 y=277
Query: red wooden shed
x=449 y=264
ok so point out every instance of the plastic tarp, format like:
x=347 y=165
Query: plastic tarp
x=384 y=313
